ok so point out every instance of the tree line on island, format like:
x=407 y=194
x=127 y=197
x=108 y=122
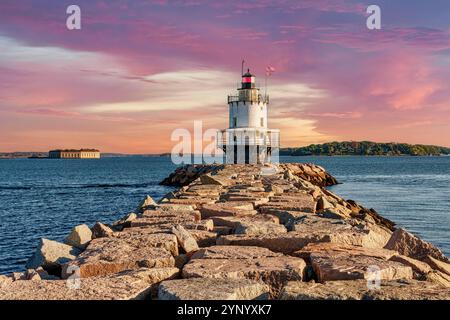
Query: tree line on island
x=365 y=148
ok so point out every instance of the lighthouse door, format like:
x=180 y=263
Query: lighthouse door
x=247 y=150
x=247 y=154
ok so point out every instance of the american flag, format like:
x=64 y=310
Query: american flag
x=270 y=70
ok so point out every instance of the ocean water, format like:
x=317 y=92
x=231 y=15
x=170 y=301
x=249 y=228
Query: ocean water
x=46 y=198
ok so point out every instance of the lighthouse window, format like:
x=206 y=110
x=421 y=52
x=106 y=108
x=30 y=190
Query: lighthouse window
x=262 y=122
x=234 y=122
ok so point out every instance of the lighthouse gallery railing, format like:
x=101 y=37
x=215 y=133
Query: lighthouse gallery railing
x=270 y=138
x=258 y=99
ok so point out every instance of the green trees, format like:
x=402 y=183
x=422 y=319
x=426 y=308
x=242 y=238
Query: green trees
x=366 y=148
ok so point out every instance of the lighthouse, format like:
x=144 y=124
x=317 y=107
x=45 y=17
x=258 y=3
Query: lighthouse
x=248 y=138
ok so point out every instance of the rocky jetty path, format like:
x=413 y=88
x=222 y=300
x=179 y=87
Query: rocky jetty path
x=238 y=232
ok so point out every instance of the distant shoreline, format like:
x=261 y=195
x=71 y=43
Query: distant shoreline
x=283 y=155
x=44 y=155
x=345 y=148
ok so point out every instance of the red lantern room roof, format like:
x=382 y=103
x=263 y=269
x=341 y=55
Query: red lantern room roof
x=248 y=80
x=248 y=74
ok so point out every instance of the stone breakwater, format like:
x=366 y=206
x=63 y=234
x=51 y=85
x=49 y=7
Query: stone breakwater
x=238 y=232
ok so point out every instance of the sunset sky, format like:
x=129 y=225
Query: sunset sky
x=140 y=69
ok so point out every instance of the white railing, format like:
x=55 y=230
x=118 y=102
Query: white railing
x=258 y=99
x=268 y=138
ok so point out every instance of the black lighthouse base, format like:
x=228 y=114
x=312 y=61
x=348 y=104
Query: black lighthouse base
x=246 y=154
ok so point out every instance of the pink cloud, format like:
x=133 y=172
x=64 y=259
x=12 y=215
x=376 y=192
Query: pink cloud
x=49 y=112
x=406 y=80
x=386 y=38
x=342 y=115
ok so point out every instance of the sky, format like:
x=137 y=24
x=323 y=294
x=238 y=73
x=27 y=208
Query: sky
x=138 y=70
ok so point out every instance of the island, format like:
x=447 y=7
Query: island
x=366 y=148
x=23 y=155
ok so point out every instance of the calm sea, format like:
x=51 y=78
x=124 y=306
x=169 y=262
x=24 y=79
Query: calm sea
x=46 y=198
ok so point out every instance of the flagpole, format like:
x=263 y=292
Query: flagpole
x=265 y=85
x=269 y=71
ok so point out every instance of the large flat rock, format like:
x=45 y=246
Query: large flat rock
x=273 y=271
x=332 y=262
x=234 y=222
x=125 y=286
x=221 y=210
x=213 y=289
x=220 y=180
x=160 y=221
x=329 y=248
x=284 y=243
x=346 y=265
x=174 y=207
x=192 y=202
x=260 y=224
x=164 y=212
x=234 y=252
x=166 y=224
x=106 y=256
x=150 y=237
x=207 y=190
x=358 y=290
x=349 y=232
x=306 y=204
x=239 y=205
x=256 y=201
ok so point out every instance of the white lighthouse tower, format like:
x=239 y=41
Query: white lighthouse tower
x=248 y=139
